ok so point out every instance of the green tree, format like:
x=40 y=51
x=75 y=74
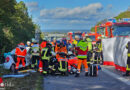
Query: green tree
x=15 y=24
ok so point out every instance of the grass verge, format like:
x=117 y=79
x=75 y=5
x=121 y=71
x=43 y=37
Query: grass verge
x=32 y=82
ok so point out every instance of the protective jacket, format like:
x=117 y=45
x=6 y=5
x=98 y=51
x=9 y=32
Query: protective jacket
x=73 y=61
x=99 y=46
x=82 y=49
x=60 y=48
x=128 y=47
x=35 y=50
x=45 y=53
x=21 y=51
x=128 y=59
x=75 y=42
x=89 y=42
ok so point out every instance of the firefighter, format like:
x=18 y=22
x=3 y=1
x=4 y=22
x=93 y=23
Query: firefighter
x=32 y=41
x=20 y=52
x=63 y=48
x=35 y=52
x=75 y=42
x=98 y=51
x=128 y=60
x=43 y=44
x=53 y=44
x=60 y=47
x=72 y=62
x=68 y=45
x=62 y=59
x=82 y=49
x=53 y=64
x=28 y=56
x=28 y=46
x=45 y=56
x=89 y=54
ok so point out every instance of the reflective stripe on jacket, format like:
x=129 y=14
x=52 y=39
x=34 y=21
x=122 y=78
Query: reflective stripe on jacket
x=44 y=52
x=82 y=49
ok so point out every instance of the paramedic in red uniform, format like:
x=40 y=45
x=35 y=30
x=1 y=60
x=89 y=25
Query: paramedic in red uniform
x=20 y=52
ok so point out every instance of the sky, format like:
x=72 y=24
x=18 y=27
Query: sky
x=73 y=14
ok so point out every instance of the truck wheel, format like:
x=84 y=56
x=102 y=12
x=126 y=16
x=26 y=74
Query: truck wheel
x=12 y=68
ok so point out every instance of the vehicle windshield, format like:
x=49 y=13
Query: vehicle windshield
x=121 y=31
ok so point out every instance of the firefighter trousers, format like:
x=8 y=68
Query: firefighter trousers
x=80 y=62
x=45 y=66
x=89 y=56
x=128 y=64
x=18 y=61
x=97 y=58
x=35 y=60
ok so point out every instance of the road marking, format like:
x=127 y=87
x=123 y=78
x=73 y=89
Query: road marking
x=122 y=79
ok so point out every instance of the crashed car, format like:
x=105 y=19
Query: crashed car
x=10 y=60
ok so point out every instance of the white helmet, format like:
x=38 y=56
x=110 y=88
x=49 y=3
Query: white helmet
x=86 y=35
x=53 y=53
x=28 y=43
x=33 y=40
x=69 y=53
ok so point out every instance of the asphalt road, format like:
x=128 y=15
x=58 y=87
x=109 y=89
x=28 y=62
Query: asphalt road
x=104 y=81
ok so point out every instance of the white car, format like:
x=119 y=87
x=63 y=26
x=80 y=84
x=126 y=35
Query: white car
x=10 y=60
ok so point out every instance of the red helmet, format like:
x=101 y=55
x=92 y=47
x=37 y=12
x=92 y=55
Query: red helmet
x=21 y=43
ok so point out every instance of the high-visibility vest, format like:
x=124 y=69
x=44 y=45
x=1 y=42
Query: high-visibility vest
x=21 y=51
x=75 y=42
x=63 y=49
x=57 y=48
x=89 y=41
x=44 y=52
x=35 y=50
x=99 y=46
x=83 y=48
x=60 y=49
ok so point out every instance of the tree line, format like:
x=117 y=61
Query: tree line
x=15 y=24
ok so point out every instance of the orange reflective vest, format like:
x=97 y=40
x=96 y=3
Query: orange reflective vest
x=60 y=49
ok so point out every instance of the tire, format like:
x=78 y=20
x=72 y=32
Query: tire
x=12 y=68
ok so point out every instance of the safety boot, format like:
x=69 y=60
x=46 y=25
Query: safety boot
x=16 y=71
x=86 y=74
x=77 y=75
x=126 y=74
